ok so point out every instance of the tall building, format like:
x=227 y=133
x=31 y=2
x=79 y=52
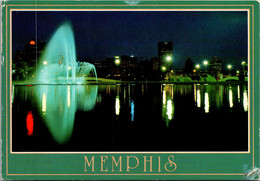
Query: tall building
x=165 y=54
x=165 y=48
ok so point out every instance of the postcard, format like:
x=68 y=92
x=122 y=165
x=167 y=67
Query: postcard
x=135 y=90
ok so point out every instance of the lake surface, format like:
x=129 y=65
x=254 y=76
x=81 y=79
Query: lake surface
x=130 y=117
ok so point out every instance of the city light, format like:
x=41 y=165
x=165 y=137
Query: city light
x=197 y=66
x=163 y=68
x=117 y=61
x=32 y=42
x=45 y=62
x=205 y=62
x=243 y=62
x=229 y=66
x=168 y=58
x=69 y=68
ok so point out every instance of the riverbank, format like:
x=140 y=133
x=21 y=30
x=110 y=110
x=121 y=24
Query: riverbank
x=114 y=82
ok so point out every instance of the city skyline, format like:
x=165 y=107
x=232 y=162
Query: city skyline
x=98 y=35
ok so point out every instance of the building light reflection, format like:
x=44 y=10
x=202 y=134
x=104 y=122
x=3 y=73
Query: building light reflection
x=117 y=105
x=164 y=96
x=245 y=100
x=29 y=123
x=206 y=107
x=195 y=93
x=230 y=94
x=169 y=109
x=132 y=110
x=238 y=93
x=198 y=98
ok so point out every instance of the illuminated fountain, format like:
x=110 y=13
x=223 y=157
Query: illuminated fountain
x=58 y=63
x=59 y=103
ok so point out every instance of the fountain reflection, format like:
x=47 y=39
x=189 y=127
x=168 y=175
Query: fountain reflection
x=59 y=105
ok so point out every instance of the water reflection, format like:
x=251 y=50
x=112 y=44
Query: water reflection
x=168 y=103
x=206 y=107
x=58 y=105
x=238 y=93
x=245 y=99
x=117 y=106
x=132 y=110
x=230 y=97
x=29 y=123
x=198 y=97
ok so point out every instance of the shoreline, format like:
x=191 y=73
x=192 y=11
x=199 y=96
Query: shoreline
x=22 y=83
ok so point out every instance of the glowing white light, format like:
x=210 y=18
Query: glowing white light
x=169 y=109
x=45 y=62
x=44 y=102
x=230 y=98
x=68 y=96
x=168 y=58
x=198 y=98
x=245 y=100
x=117 y=61
x=69 y=68
x=206 y=102
x=164 y=97
x=117 y=106
x=205 y=62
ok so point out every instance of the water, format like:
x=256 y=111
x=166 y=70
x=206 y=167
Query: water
x=58 y=63
x=130 y=117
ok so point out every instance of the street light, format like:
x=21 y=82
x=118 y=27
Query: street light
x=205 y=62
x=168 y=58
x=163 y=68
x=117 y=61
x=229 y=67
x=244 y=64
x=45 y=62
x=197 y=66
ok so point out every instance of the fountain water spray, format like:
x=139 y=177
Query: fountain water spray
x=58 y=63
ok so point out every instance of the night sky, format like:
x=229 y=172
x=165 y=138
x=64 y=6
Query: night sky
x=101 y=34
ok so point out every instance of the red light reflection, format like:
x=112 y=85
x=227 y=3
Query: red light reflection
x=29 y=123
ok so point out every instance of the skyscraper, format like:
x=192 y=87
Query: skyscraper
x=165 y=54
